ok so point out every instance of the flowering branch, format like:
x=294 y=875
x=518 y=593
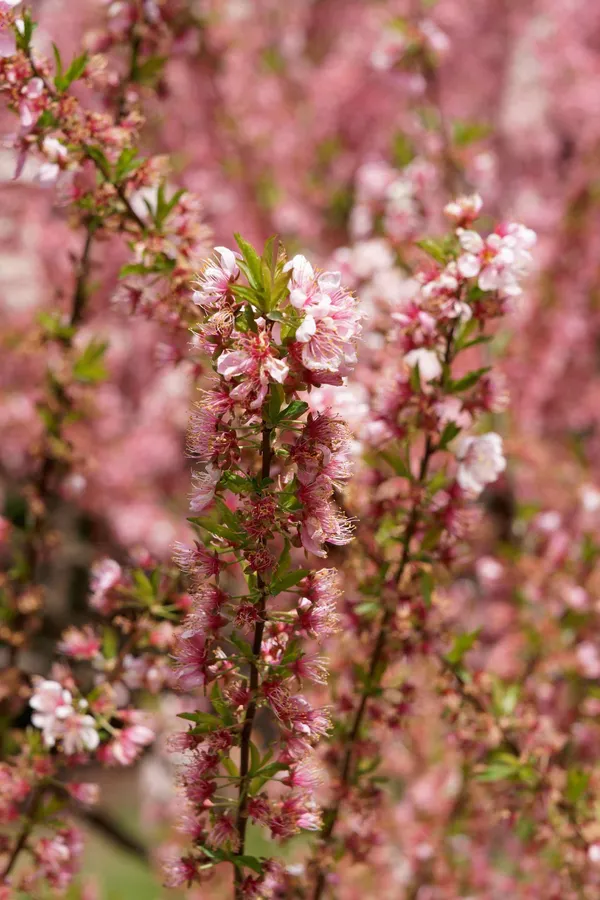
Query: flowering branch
x=270 y=468
x=422 y=402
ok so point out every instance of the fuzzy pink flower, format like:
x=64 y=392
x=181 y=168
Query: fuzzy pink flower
x=322 y=521
x=331 y=322
x=498 y=261
x=215 y=280
x=106 y=575
x=128 y=744
x=481 y=461
x=253 y=361
x=204 y=485
x=80 y=643
x=191 y=657
x=78 y=733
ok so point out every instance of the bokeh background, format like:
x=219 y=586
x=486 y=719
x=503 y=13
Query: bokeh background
x=344 y=126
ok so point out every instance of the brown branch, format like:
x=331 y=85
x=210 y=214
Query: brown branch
x=30 y=813
x=246 y=736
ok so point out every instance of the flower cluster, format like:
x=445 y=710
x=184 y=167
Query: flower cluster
x=266 y=488
x=421 y=439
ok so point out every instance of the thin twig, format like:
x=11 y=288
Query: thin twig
x=246 y=736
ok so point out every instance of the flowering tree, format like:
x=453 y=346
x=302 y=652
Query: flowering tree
x=365 y=659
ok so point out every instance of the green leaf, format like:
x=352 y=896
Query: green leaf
x=75 y=71
x=427 y=586
x=284 y=562
x=462 y=644
x=415 y=379
x=248 y=862
x=134 y=269
x=221 y=707
x=89 y=367
x=244 y=321
x=55 y=327
x=433 y=248
x=143 y=584
x=237 y=484
x=58 y=66
x=403 y=151
x=228 y=517
x=255 y=762
x=505 y=698
x=24 y=34
x=242 y=645
x=577 y=785
x=99 y=158
x=288 y=581
x=448 y=434
x=126 y=163
x=253 y=267
x=150 y=69
x=293 y=411
x=397 y=464
x=230 y=767
x=498 y=771
x=465 y=133
x=110 y=643
x=276 y=398
x=468 y=381
x=204 y=720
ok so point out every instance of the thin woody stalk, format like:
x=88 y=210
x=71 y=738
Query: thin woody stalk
x=246 y=737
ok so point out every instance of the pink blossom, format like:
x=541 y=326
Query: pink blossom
x=52 y=705
x=255 y=362
x=191 y=662
x=204 y=485
x=498 y=261
x=179 y=871
x=78 y=733
x=84 y=792
x=464 y=209
x=56 y=155
x=127 y=745
x=428 y=362
x=106 y=575
x=481 y=461
x=215 y=280
x=80 y=643
x=331 y=322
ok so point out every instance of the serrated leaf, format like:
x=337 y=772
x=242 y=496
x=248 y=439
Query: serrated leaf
x=468 y=381
x=150 y=69
x=248 y=862
x=465 y=133
x=462 y=644
x=288 y=581
x=230 y=767
x=75 y=71
x=242 y=645
x=89 y=367
x=577 y=785
x=110 y=643
x=448 y=434
x=204 y=719
x=397 y=464
x=253 y=268
x=433 y=248
x=284 y=562
x=276 y=398
x=293 y=411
